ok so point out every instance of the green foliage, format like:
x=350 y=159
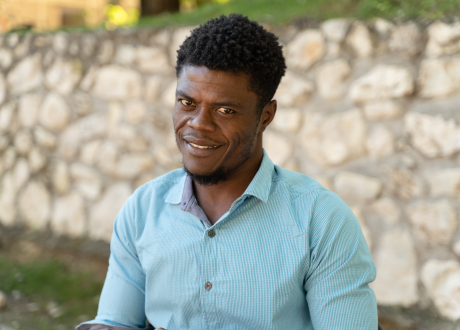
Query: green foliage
x=45 y=281
x=285 y=11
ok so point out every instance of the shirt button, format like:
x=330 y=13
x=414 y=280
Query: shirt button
x=208 y=286
x=211 y=233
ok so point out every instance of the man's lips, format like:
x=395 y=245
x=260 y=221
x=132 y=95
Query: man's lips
x=201 y=143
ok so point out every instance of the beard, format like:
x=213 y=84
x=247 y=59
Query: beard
x=210 y=179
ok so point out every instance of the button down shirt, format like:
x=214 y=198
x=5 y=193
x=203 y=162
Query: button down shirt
x=288 y=254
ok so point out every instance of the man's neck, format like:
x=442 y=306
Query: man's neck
x=217 y=199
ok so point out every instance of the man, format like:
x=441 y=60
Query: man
x=232 y=241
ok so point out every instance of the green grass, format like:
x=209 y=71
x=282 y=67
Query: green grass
x=45 y=281
x=286 y=11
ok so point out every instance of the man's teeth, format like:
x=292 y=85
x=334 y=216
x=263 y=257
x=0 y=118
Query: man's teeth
x=200 y=147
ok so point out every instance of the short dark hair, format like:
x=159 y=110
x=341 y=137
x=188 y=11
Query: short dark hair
x=236 y=44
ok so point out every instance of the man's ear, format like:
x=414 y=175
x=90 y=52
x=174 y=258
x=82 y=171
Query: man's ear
x=268 y=113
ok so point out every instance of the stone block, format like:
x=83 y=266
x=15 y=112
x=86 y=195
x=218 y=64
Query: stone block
x=359 y=40
x=441 y=279
x=88 y=154
x=114 y=82
x=382 y=110
x=439 y=77
x=357 y=186
x=406 y=39
x=23 y=142
x=8 y=200
x=69 y=143
x=6 y=58
x=307 y=48
x=152 y=59
x=396 y=261
x=130 y=166
x=433 y=136
x=443 y=39
x=26 y=75
x=404 y=184
x=106 y=51
x=336 y=29
x=380 y=142
x=61 y=42
x=7 y=116
x=383 y=82
x=434 y=222
x=153 y=88
x=387 y=210
x=331 y=140
x=54 y=113
x=64 y=75
x=278 y=148
x=445 y=182
x=287 y=120
x=45 y=138
x=87 y=181
x=103 y=213
x=2 y=88
x=456 y=248
x=293 y=90
x=135 y=112
x=107 y=157
x=88 y=80
x=28 y=109
x=35 y=205
x=331 y=79
x=69 y=216
x=37 y=160
x=60 y=177
x=21 y=173
x=125 y=55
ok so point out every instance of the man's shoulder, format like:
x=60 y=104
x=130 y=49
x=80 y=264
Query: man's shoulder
x=297 y=183
x=162 y=185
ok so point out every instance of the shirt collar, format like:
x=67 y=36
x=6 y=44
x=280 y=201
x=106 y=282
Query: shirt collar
x=259 y=186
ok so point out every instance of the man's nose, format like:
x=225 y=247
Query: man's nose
x=202 y=120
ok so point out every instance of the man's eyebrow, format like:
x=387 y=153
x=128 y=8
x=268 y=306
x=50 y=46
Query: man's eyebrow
x=183 y=94
x=219 y=104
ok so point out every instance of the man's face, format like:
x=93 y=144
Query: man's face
x=216 y=121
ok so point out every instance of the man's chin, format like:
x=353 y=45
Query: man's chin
x=207 y=179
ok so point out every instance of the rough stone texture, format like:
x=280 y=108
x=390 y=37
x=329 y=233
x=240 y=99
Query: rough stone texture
x=60 y=42
x=382 y=110
x=23 y=142
x=106 y=51
x=442 y=281
x=125 y=55
x=336 y=29
x=6 y=116
x=87 y=181
x=443 y=39
x=456 y=248
x=60 y=177
x=396 y=261
x=278 y=147
x=406 y=39
x=287 y=120
x=439 y=77
x=331 y=78
x=69 y=216
x=292 y=90
x=433 y=136
x=387 y=210
x=334 y=139
x=54 y=113
x=152 y=59
x=135 y=112
x=383 y=82
x=21 y=173
x=131 y=165
x=8 y=200
x=26 y=75
x=28 y=108
x=358 y=186
x=117 y=83
x=6 y=58
x=380 y=142
x=445 y=182
x=36 y=160
x=45 y=138
x=2 y=88
x=307 y=48
x=434 y=222
x=35 y=205
x=63 y=75
x=359 y=40
x=103 y=213
x=404 y=184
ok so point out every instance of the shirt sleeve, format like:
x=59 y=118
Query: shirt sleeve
x=122 y=302
x=340 y=269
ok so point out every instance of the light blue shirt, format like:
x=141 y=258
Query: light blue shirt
x=289 y=254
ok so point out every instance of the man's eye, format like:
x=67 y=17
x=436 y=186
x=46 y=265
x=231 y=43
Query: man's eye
x=187 y=103
x=225 y=110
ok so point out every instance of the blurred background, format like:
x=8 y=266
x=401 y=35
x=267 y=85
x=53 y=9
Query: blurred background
x=369 y=107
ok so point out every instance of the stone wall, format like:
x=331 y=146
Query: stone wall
x=371 y=110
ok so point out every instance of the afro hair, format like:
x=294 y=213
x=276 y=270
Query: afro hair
x=236 y=44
